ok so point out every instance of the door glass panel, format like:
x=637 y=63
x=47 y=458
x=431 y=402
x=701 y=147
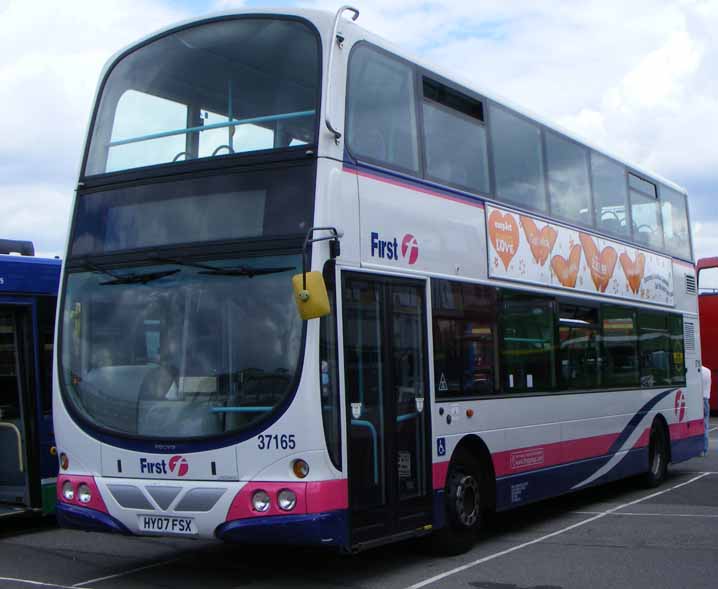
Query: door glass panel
x=11 y=428
x=409 y=387
x=365 y=377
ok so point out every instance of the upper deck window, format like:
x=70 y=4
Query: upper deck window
x=610 y=196
x=675 y=222
x=644 y=212
x=455 y=138
x=569 y=187
x=221 y=88
x=518 y=159
x=381 y=113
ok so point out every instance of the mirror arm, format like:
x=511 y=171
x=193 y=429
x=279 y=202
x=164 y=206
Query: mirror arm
x=334 y=238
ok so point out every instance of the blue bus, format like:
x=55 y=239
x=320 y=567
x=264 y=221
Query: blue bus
x=28 y=296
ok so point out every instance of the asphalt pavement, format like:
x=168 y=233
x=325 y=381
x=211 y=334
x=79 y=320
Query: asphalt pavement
x=617 y=535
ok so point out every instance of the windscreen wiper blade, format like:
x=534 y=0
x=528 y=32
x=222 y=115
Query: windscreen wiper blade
x=249 y=271
x=134 y=278
x=139 y=278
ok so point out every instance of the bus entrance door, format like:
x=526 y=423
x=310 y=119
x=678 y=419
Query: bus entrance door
x=13 y=470
x=388 y=410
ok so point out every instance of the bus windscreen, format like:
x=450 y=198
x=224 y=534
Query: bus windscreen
x=226 y=87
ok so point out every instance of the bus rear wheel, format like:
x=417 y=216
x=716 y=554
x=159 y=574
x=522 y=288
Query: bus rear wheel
x=657 y=455
x=465 y=501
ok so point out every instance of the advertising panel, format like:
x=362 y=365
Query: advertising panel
x=528 y=249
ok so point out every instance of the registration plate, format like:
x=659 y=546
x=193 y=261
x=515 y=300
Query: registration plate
x=165 y=524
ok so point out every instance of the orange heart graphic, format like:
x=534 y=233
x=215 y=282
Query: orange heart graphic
x=600 y=264
x=541 y=242
x=504 y=234
x=633 y=270
x=567 y=270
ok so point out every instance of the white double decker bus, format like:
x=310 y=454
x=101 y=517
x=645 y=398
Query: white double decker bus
x=512 y=314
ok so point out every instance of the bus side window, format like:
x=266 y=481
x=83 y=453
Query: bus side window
x=454 y=138
x=381 y=113
x=569 y=188
x=579 y=351
x=675 y=223
x=678 y=363
x=610 y=195
x=465 y=339
x=46 y=331
x=655 y=348
x=528 y=349
x=518 y=159
x=620 y=347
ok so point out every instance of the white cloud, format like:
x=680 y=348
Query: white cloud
x=636 y=77
x=51 y=55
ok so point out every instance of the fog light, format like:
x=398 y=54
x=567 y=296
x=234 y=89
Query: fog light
x=287 y=500
x=64 y=461
x=260 y=501
x=83 y=493
x=67 y=491
x=300 y=468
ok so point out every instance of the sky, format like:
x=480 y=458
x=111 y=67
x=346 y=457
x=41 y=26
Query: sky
x=639 y=79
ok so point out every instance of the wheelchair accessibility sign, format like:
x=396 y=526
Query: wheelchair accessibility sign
x=441 y=446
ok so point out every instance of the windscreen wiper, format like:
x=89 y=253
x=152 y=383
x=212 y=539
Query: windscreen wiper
x=249 y=271
x=134 y=278
x=139 y=278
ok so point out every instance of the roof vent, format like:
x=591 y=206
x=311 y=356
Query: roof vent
x=690 y=284
x=12 y=246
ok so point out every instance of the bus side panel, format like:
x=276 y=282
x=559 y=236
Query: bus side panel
x=532 y=461
x=399 y=229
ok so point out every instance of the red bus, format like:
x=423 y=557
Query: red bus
x=708 y=314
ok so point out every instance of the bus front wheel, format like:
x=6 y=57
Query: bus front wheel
x=465 y=503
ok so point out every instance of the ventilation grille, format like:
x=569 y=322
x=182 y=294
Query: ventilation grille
x=690 y=284
x=689 y=336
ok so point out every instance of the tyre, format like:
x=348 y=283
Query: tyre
x=465 y=505
x=657 y=455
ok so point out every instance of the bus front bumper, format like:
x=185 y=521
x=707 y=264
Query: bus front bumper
x=317 y=529
x=84 y=518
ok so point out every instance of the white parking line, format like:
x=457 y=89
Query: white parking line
x=602 y=514
x=698 y=515
x=125 y=573
x=34 y=583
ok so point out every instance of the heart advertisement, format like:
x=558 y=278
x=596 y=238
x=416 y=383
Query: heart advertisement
x=528 y=249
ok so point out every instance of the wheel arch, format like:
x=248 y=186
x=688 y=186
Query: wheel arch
x=472 y=446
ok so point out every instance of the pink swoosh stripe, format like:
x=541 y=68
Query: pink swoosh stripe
x=531 y=458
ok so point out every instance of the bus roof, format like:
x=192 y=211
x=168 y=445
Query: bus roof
x=324 y=21
x=29 y=275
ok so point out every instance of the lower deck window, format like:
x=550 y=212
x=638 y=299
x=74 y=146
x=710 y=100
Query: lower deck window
x=491 y=340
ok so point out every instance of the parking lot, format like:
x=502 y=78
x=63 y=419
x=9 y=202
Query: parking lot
x=620 y=535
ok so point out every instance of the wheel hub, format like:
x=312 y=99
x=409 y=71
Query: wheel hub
x=467 y=500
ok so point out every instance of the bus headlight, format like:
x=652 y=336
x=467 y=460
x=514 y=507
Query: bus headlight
x=260 y=501
x=68 y=492
x=83 y=493
x=287 y=499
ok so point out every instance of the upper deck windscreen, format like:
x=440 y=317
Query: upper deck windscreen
x=225 y=87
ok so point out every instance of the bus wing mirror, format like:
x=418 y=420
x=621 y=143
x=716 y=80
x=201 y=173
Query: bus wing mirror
x=310 y=290
x=310 y=294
